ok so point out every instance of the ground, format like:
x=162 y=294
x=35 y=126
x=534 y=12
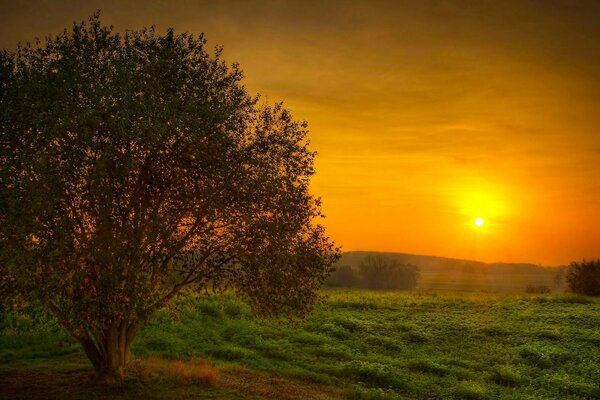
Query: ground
x=70 y=377
x=357 y=344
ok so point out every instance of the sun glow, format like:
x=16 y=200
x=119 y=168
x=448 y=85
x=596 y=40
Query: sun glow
x=479 y=221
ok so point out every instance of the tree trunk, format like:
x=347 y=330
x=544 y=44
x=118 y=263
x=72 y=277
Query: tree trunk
x=109 y=350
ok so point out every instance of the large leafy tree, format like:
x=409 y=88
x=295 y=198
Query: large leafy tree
x=136 y=167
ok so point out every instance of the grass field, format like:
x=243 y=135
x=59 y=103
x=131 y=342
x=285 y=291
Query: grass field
x=357 y=344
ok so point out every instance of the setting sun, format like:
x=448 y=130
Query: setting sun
x=479 y=221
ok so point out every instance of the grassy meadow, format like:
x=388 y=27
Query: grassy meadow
x=357 y=345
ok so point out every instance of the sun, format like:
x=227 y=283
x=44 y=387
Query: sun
x=479 y=221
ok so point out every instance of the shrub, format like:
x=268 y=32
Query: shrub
x=584 y=277
x=541 y=289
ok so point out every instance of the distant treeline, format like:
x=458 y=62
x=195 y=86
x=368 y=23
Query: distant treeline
x=378 y=272
x=439 y=273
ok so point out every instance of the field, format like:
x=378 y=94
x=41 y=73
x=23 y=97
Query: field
x=357 y=345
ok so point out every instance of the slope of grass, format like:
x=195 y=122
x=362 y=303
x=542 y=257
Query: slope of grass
x=378 y=345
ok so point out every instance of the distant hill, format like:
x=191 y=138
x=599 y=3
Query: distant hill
x=441 y=273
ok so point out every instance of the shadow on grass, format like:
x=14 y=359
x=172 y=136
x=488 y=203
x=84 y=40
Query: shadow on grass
x=71 y=378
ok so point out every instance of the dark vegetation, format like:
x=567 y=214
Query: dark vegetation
x=541 y=289
x=584 y=277
x=377 y=272
x=375 y=345
x=135 y=168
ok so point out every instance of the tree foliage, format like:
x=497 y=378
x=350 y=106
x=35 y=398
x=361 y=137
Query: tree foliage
x=386 y=273
x=135 y=166
x=343 y=276
x=584 y=277
x=379 y=272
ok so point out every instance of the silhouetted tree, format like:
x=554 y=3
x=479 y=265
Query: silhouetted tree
x=135 y=166
x=342 y=276
x=559 y=277
x=386 y=273
x=584 y=277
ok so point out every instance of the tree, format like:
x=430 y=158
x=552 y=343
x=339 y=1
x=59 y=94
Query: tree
x=559 y=277
x=135 y=166
x=584 y=277
x=342 y=276
x=386 y=273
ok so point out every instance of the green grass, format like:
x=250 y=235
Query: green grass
x=378 y=345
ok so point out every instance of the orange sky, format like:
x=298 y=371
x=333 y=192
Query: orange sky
x=425 y=114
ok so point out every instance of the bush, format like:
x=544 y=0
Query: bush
x=541 y=289
x=584 y=277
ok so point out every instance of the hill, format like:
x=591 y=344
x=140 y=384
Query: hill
x=441 y=273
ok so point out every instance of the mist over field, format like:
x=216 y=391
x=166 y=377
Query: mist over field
x=441 y=273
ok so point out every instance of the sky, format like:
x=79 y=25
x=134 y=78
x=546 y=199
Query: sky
x=426 y=114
